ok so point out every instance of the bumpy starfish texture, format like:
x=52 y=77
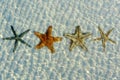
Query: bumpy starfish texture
x=78 y=39
x=104 y=37
x=47 y=39
x=17 y=38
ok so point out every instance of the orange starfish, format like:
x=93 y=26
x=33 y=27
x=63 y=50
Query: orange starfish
x=47 y=39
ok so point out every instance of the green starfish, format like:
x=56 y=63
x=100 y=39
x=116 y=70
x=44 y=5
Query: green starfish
x=104 y=37
x=17 y=38
x=78 y=38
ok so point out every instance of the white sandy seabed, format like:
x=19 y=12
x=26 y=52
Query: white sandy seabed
x=30 y=64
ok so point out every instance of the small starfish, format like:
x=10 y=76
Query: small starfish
x=78 y=38
x=47 y=39
x=17 y=38
x=104 y=37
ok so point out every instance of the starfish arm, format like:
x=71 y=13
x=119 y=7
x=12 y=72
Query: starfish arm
x=8 y=38
x=40 y=45
x=51 y=48
x=112 y=41
x=86 y=35
x=77 y=30
x=73 y=45
x=72 y=37
x=49 y=31
x=57 y=39
x=15 y=45
x=103 y=44
x=24 y=42
x=83 y=46
x=39 y=35
x=13 y=30
x=25 y=32
x=98 y=39
x=100 y=30
x=107 y=34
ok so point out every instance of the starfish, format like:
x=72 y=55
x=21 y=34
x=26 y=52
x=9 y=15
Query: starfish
x=104 y=37
x=47 y=39
x=17 y=38
x=78 y=39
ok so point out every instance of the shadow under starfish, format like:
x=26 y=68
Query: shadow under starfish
x=17 y=38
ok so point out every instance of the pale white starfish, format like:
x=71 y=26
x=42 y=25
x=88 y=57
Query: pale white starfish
x=78 y=38
x=104 y=37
